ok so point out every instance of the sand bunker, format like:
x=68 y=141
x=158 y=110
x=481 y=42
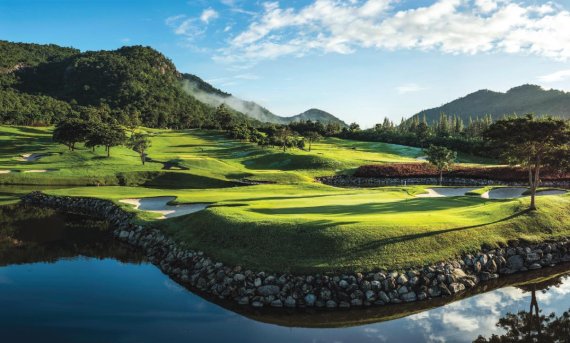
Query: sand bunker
x=159 y=205
x=515 y=192
x=421 y=158
x=5 y=171
x=445 y=192
x=31 y=157
x=35 y=171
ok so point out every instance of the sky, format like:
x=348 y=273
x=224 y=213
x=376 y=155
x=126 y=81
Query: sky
x=361 y=60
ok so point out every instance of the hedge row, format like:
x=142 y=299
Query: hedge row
x=428 y=170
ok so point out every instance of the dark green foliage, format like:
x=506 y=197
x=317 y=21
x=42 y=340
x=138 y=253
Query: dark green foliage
x=105 y=135
x=70 y=132
x=131 y=86
x=20 y=55
x=440 y=157
x=140 y=142
x=531 y=143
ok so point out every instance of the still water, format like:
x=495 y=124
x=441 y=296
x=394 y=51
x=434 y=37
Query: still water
x=63 y=279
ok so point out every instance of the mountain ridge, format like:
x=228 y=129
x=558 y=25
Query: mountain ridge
x=527 y=98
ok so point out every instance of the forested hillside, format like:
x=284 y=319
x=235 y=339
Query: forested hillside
x=519 y=100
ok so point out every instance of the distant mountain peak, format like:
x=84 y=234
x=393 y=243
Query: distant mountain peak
x=527 y=98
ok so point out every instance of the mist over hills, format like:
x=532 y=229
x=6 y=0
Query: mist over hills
x=41 y=84
x=518 y=100
x=213 y=96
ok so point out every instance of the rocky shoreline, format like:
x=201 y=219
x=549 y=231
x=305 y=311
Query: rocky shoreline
x=354 y=181
x=327 y=290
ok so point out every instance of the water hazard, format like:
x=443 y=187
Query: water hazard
x=64 y=279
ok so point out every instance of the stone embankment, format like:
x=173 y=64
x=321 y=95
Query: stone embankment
x=327 y=290
x=353 y=181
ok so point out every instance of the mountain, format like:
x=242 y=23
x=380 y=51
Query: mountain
x=518 y=100
x=41 y=84
x=213 y=96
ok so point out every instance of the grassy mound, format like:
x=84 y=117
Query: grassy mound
x=320 y=228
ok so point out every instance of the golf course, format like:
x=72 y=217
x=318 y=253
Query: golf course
x=261 y=208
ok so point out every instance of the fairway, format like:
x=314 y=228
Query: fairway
x=289 y=221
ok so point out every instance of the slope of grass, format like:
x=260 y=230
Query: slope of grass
x=318 y=228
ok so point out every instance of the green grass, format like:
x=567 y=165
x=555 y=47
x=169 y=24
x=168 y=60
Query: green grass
x=294 y=224
x=318 y=228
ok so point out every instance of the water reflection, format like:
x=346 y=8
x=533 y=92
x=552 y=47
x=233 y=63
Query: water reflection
x=94 y=289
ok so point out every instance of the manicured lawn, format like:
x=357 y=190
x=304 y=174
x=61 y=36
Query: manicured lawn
x=294 y=224
x=315 y=227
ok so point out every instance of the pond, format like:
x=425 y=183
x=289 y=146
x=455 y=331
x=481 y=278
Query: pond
x=64 y=279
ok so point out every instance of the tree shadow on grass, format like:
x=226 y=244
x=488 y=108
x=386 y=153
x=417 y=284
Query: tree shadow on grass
x=376 y=244
x=411 y=205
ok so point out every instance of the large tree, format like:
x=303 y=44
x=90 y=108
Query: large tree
x=531 y=143
x=441 y=157
x=70 y=132
x=106 y=135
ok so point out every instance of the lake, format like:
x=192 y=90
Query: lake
x=63 y=278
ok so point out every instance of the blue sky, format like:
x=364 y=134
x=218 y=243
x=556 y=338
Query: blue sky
x=358 y=59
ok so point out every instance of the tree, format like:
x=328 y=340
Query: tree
x=105 y=135
x=283 y=137
x=531 y=143
x=224 y=117
x=354 y=127
x=441 y=157
x=312 y=137
x=140 y=142
x=70 y=132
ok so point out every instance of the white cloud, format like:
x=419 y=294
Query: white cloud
x=449 y=26
x=209 y=14
x=460 y=321
x=558 y=76
x=409 y=88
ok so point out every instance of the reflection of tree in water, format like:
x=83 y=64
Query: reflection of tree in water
x=32 y=234
x=532 y=326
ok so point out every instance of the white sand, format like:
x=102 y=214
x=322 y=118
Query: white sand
x=5 y=171
x=515 y=192
x=31 y=157
x=445 y=192
x=159 y=205
x=35 y=171
x=421 y=158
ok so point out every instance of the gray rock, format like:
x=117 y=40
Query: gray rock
x=384 y=297
x=277 y=303
x=331 y=304
x=356 y=302
x=535 y=266
x=310 y=299
x=243 y=301
x=409 y=297
x=268 y=290
x=344 y=304
x=290 y=302
x=532 y=257
x=257 y=304
x=456 y=287
x=515 y=262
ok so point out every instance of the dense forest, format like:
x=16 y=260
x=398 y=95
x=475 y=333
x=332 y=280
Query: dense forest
x=135 y=85
x=42 y=84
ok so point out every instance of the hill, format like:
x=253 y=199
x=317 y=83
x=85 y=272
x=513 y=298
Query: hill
x=520 y=100
x=213 y=96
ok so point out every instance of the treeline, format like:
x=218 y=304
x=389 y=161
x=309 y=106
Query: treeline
x=449 y=131
x=92 y=134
